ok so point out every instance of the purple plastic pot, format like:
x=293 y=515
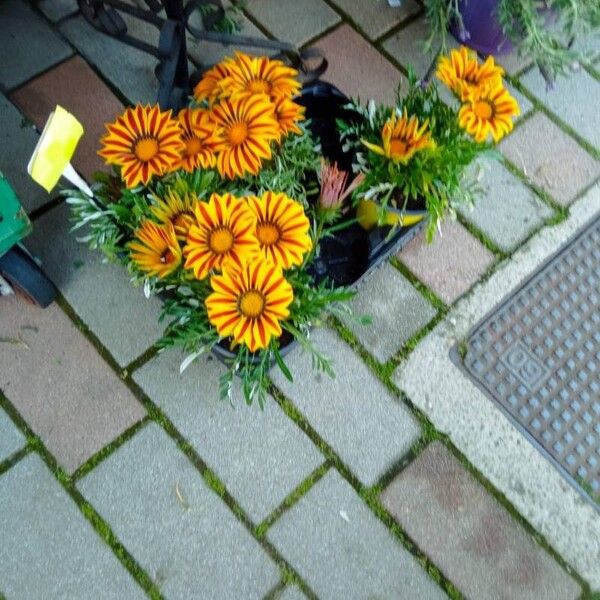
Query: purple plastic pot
x=481 y=30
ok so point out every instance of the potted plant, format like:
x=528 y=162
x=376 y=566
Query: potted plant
x=540 y=29
x=210 y=209
x=414 y=155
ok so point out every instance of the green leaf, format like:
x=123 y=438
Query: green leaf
x=281 y=364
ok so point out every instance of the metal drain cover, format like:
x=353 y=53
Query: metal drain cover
x=538 y=357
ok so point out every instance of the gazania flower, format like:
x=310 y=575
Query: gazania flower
x=208 y=88
x=144 y=142
x=248 y=303
x=176 y=209
x=155 y=249
x=198 y=136
x=281 y=228
x=288 y=113
x=259 y=75
x=461 y=71
x=488 y=111
x=402 y=138
x=223 y=232
x=245 y=127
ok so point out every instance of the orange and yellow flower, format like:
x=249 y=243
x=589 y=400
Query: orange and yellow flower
x=288 y=114
x=281 y=228
x=489 y=110
x=144 y=142
x=222 y=233
x=250 y=75
x=249 y=302
x=209 y=87
x=402 y=138
x=155 y=249
x=176 y=209
x=461 y=72
x=197 y=133
x=245 y=127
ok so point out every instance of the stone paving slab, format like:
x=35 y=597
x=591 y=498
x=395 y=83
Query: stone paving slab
x=29 y=45
x=406 y=46
x=480 y=431
x=209 y=53
x=354 y=413
x=48 y=548
x=377 y=17
x=342 y=550
x=11 y=439
x=18 y=139
x=181 y=533
x=550 y=158
x=74 y=86
x=573 y=100
x=397 y=309
x=123 y=319
x=513 y=63
x=469 y=536
x=56 y=10
x=128 y=69
x=450 y=264
x=295 y=22
x=507 y=211
x=357 y=68
x=261 y=456
x=59 y=383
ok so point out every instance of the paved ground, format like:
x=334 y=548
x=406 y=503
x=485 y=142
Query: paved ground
x=120 y=478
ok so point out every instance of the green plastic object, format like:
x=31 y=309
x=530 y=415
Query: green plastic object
x=14 y=223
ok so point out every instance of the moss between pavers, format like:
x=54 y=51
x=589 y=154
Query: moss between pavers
x=595 y=152
x=102 y=528
x=214 y=483
x=13 y=459
x=292 y=498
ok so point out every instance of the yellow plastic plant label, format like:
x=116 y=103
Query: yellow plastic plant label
x=55 y=148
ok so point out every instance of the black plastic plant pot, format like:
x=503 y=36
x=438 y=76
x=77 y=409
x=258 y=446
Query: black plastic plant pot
x=223 y=352
x=352 y=253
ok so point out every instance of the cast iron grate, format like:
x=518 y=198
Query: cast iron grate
x=538 y=357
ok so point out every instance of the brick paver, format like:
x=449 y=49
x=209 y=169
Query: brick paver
x=507 y=211
x=77 y=88
x=550 y=158
x=357 y=68
x=295 y=22
x=18 y=139
x=48 y=548
x=177 y=528
x=396 y=308
x=377 y=17
x=573 y=99
x=11 y=439
x=29 y=45
x=260 y=455
x=451 y=264
x=59 y=384
x=342 y=550
x=123 y=319
x=354 y=412
x=473 y=539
